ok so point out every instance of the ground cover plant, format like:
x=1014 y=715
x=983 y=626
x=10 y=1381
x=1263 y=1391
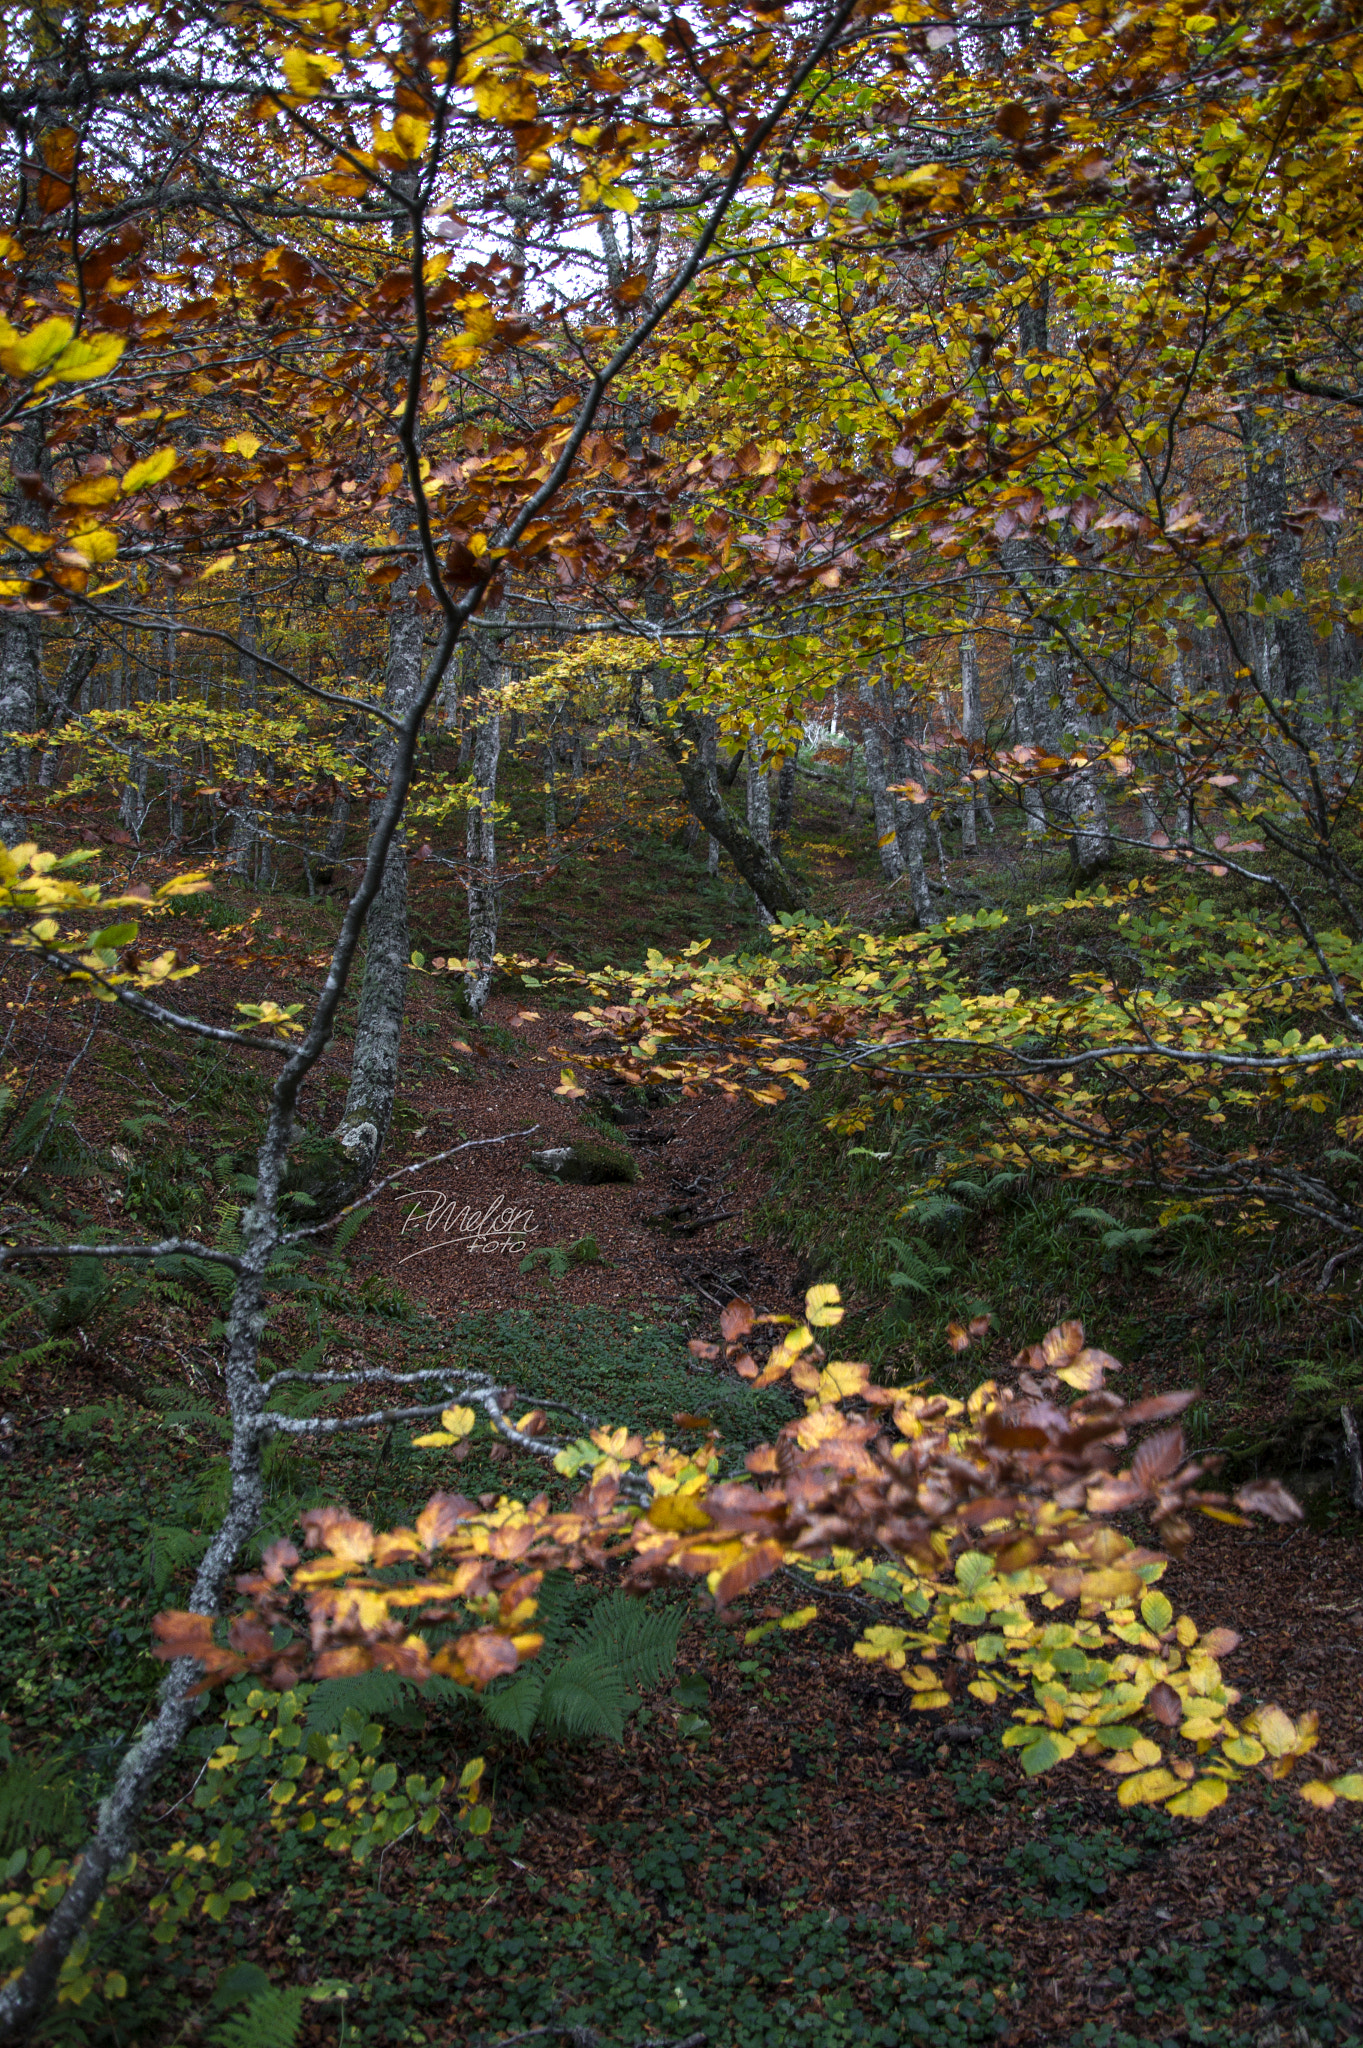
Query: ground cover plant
x=670 y=685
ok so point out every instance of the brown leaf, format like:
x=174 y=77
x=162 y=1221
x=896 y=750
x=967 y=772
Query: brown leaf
x=1268 y=1497
x=1166 y=1706
x=1013 y=120
x=755 y=1565
x=1157 y=1457
x=737 y=1319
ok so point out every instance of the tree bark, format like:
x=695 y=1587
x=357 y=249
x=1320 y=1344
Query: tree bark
x=481 y=847
x=775 y=889
x=368 y=1112
x=759 y=803
x=241 y=846
x=882 y=807
x=784 y=815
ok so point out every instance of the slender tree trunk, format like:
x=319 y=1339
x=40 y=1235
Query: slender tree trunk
x=882 y=806
x=241 y=845
x=784 y=816
x=759 y=802
x=976 y=809
x=368 y=1111
x=911 y=818
x=1287 y=658
x=481 y=844
x=680 y=734
x=175 y=772
x=709 y=750
x=78 y=671
x=337 y=827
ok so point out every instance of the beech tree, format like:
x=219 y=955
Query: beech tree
x=306 y=295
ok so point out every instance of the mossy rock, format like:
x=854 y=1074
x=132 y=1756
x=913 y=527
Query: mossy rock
x=323 y=1173
x=587 y=1162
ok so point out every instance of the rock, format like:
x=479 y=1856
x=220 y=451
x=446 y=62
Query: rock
x=588 y=1162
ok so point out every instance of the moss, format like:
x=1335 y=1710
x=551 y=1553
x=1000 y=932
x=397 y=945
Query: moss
x=588 y=1162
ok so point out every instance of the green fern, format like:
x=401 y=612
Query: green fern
x=346 y=1230
x=599 y=1654
x=374 y=1696
x=271 y=2020
x=34 y=1808
x=587 y=1678
x=167 y=1550
x=937 y=1212
x=916 y=1272
x=990 y=1194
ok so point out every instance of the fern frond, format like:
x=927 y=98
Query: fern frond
x=271 y=2020
x=515 y=1706
x=167 y=1550
x=1099 y=1218
x=584 y=1699
x=347 y=1229
x=640 y=1640
x=937 y=1211
x=34 y=1809
x=370 y=1693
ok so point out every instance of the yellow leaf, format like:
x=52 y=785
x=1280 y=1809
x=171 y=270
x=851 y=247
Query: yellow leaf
x=801 y=1617
x=89 y=356
x=242 y=444
x=92 y=490
x=823 y=1307
x=217 y=565
x=308 y=71
x=505 y=99
x=1276 y=1730
x=434 y=1439
x=412 y=135
x=841 y=1380
x=619 y=199
x=1243 y=1750
x=983 y=1690
x=1148 y=1788
x=1350 y=1787
x=459 y=1421
x=1201 y=1797
x=98 y=545
x=1318 y=1793
x=22 y=354
x=154 y=470
x=922 y=1702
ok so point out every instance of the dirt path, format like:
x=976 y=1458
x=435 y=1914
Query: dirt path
x=680 y=1229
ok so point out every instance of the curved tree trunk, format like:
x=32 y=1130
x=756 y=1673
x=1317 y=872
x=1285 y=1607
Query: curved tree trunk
x=775 y=889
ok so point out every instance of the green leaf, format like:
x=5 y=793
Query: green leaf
x=113 y=936
x=1040 y=1756
x=972 y=1570
x=1156 y=1613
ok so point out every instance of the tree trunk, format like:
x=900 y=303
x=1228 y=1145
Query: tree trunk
x=680 y=733
x=709 y=748
x=911 y=819
x=882 y=807
x=20 y=660
x=241 y=846
x=78 y=671
x=976 y=809
x=481 y=845
x=368 y=1111
x=759 y=803
x=784 y=816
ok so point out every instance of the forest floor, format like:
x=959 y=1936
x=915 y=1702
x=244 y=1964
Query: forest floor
x=777 y=1852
